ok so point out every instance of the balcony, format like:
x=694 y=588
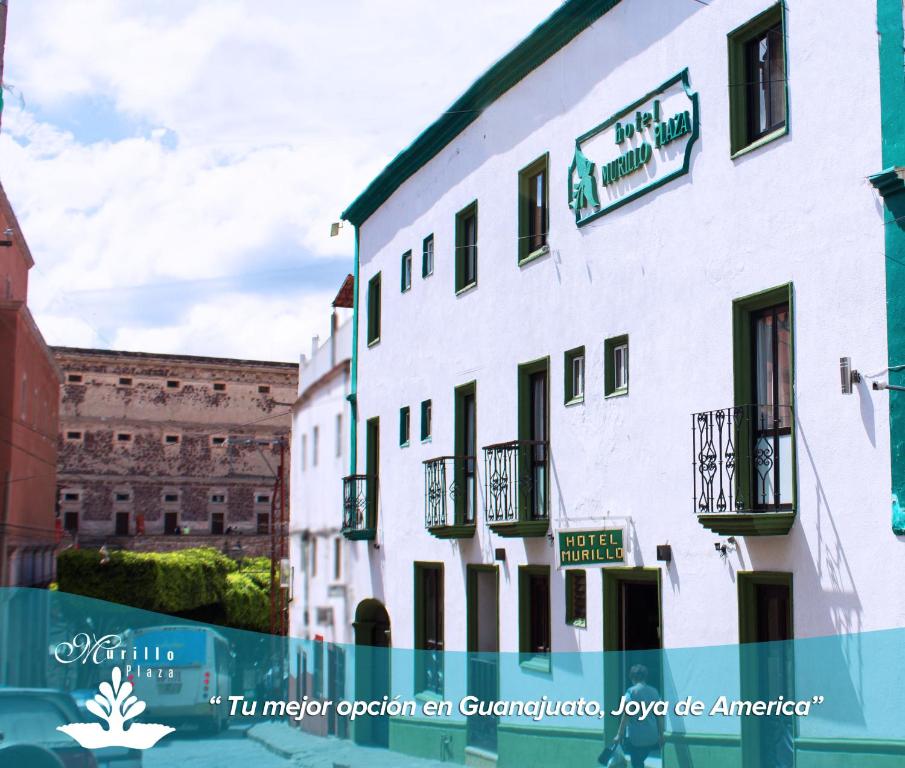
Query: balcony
x=449 y=497
x=359 y=507
x=516 y=476
x=744 y=470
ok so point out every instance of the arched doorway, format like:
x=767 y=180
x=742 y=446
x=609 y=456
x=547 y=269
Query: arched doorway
x=372 y=669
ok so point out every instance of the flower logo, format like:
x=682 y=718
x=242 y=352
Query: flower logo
x=116 y=705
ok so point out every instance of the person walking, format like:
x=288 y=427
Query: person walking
x=640 y=737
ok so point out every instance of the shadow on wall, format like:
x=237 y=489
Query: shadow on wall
x=525 y=113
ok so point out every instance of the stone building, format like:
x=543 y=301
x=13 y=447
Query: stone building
x=162 y=452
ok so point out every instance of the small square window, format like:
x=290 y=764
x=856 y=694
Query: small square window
x=218 y=498
x=171 y=498
x=219 y=386
x=74 y=378
x=122 y=496
x=171 y=439
x=262 y=498
x=123 y=437
x=218 y=441
x=574 y=375
x=172 y=384
x=73 y=435
x=576 y=598
x=426 y=418
x=406 y=271
x=71 y=496
x=125 y=381
x=616 y=366
x=263 y=389
x=405 y=422
x=427 y=256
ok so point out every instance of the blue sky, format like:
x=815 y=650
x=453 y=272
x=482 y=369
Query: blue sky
x=176 y=164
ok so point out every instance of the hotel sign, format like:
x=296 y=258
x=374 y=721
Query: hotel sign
x=584 y=548
x=641 y=147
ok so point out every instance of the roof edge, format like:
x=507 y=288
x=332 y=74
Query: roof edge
x=552 y=34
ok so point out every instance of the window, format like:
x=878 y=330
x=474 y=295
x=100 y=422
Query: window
x=71 y=496
x=262 y=498
x=74 y=378
x=533 y=210
x=758 y=95
x=218 y=498
x=426 y=416
x=374 y=309
x=533 y=405
x=616 y=366
x=217 y=523
x=171 y=498
x=406 y=271
x=405 y=422
x=172 y=384
x=263 y=389
x=71 y=521
x=218 y=441
x=339 y=435
x=429 y=627
x=122 y=496
x=576 y=598
x=125 y=381
x=534 y=615
x=467 y=247
x=73 y=435
x=313 y=556
x=263 y=523
x=466 y=446
x=122 y=524
x=123 y=437
x=315 y=446
x=171 y=523
x=304 y=451
x=427 y=256
x=337 y=558
x=219 y=386
x=171 y=439
x=574 y=375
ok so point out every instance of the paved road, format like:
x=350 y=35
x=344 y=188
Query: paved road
x=192 y=750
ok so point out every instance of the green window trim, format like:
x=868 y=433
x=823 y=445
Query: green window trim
x=405 y=276
x=461 y=449
x=525 y=251
x=426 y=420
x=405 y=426
x=374 y=310
x=740 y=142
x=525 y=371
x=462 y=281
x=569 y=358
x=420 y=631
x=576 y=579
x=528 y=659
x=428 y=254
x=609 y=366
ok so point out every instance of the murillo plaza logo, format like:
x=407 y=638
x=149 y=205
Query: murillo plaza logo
x=115 y=703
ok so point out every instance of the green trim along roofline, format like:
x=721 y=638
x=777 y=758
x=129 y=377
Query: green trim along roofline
x=564 y=24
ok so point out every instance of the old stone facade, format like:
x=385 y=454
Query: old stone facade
x=160 y=452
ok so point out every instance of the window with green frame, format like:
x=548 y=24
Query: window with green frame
x=406 y=272
x=429 y=628
x=576 y=598
x=533 y=209
x=758 y=89
x=467 y=247
x=405 y=425
x=426 y=418
x=427 y=256
x=573 y=366
x=615 y=367
x=374 y=309
x=534 y=616
x=534 y=437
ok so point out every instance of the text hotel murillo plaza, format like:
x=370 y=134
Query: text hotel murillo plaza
x=625 y=319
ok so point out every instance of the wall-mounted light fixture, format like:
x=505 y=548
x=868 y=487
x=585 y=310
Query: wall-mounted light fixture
x=724 y=548
x=848 y=375
x=664 y=553
x=499 y=554
x=335 y=227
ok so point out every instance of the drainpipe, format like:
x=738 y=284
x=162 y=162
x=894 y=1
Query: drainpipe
x=352 y=397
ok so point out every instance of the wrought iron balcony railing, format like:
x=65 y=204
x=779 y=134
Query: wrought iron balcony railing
x=359 y=506
x=449 y=496
x=516 y=476
x=742 y=459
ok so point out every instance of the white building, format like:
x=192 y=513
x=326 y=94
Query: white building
x=607 y=292
x=319 y=609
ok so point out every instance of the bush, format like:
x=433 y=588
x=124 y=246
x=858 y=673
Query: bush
x=248 y=601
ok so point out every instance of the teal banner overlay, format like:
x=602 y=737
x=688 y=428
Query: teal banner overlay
x=87 y=683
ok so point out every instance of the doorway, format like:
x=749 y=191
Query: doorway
x=372 y=669
x=766 y=649
x=483 y=619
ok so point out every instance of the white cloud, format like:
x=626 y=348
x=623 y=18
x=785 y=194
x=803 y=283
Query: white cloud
x=249 y=126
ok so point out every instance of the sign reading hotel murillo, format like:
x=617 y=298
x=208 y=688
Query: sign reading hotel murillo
x=644 y=145
x=583 y=548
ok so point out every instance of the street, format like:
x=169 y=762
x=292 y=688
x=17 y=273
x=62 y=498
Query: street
x=200 y=751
